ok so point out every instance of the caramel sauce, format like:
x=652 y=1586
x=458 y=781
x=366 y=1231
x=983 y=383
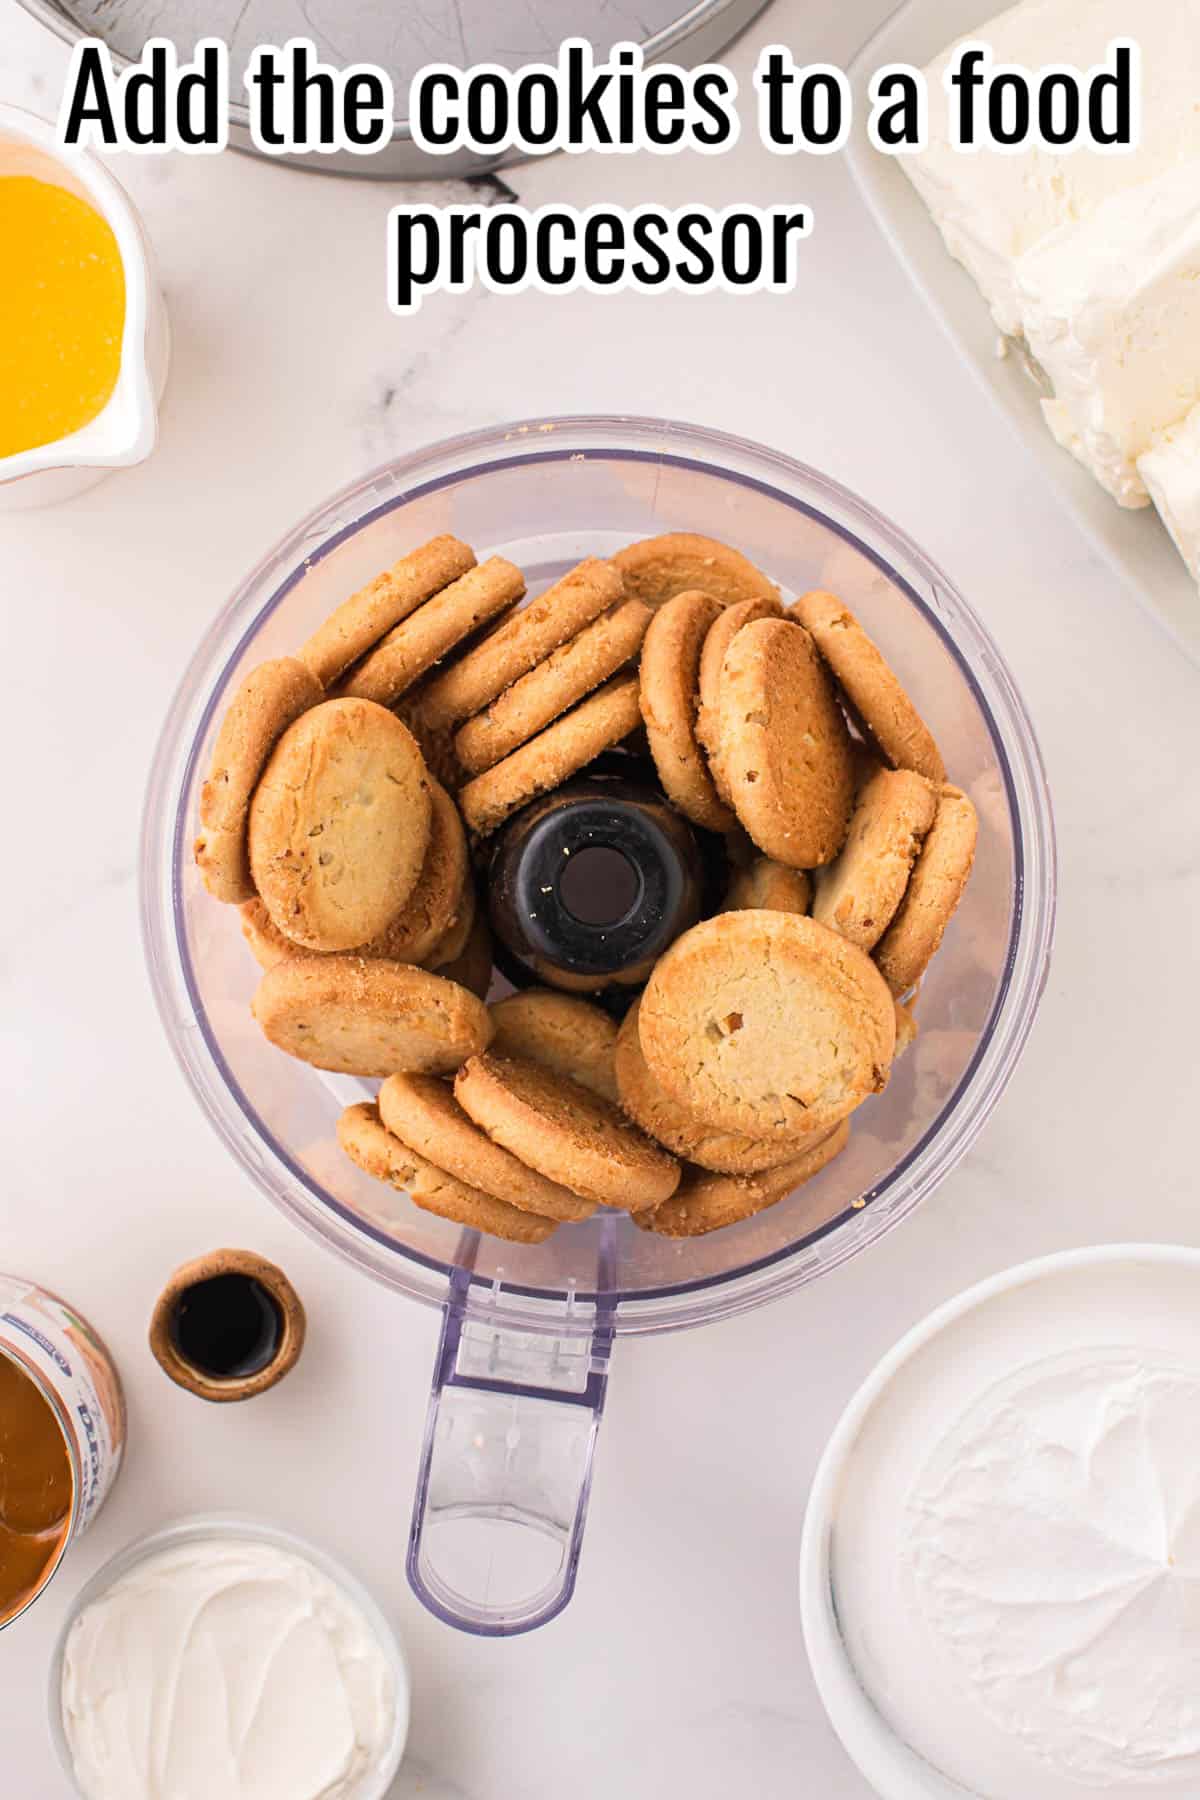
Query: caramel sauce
x=36 y=1489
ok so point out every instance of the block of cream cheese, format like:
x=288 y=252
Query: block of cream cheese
x=991 y=208
x=1171 y=473
x=1111 y=310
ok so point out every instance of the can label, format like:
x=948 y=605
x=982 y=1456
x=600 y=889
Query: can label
x=62 y=1351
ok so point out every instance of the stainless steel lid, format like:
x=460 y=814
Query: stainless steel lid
x=402 y=39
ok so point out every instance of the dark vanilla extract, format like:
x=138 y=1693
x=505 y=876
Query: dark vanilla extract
x=227 y=1326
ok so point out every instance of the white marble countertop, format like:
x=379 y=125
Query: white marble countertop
x=679 y=1667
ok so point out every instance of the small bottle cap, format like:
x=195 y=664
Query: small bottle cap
x=227 y=1326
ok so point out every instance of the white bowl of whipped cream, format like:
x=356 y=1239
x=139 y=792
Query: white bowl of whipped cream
x=227 y=1658
x=1000 y=1568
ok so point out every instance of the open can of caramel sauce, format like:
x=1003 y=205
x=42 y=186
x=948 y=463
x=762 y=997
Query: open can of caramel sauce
x=62 y=1436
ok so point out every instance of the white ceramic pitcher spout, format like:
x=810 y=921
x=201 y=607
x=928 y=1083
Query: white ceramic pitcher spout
x=125 y=430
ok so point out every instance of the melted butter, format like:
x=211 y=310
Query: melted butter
x=62 y=313
x=35 y=1489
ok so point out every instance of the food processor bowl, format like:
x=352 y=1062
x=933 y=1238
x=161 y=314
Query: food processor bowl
x=528 y=1330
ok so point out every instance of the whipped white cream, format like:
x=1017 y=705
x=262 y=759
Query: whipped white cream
x=1017 y=1541
x=1053 y=1545
x=225 y=1668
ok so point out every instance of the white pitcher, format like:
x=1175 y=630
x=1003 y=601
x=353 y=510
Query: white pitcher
x=124 y=432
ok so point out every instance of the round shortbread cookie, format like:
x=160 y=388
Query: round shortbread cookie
x=720 y=635
x=362 y=620
x=268 y=946
x=767 y=886
x=656 y=569
x=871 y=685
x=442 y=901
x=413 y=646
x=704 y=1202
x=767 y=1023
x=634 y=976
x=356 y=1017
x=785 y=748
x=367 y=1142
x=518 y=644
x=670 y=670
x=858 y=893
x=567 y=675
x=934 y=890
x=659 y=1114
x=339 y=825
x=459 y=924
x=422 y=1112
x=271 y=698
x=432 y=929
x=562 y=1033
x=546 y=760
x=569 y=1134
x=459 y=928
x=472 y=967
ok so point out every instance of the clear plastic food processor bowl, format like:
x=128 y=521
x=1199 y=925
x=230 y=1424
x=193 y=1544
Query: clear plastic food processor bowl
x=528 y=1331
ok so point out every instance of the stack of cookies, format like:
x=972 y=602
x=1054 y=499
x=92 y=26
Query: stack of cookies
x=351 y=782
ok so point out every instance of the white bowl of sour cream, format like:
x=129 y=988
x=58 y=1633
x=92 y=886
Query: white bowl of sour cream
x=225 y=1657
x=1000 y=1568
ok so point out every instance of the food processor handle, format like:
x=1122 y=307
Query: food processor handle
x=506 y=1470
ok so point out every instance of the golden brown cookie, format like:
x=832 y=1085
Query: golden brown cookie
x=656 y=569
x=659 y=1114
x=547 y=759
x=906 y=1029
x=572 y=671
x=367 y=1142
x=634 y=976
x=935 y=888
x=766 y=886
x=871 y=685
x=472 y=967
x=858 y=893
x=767 y=1023
x=268 y=946
x=562 y=1033
x=369 y=1018
x=785 y=749
x=572 y=1136
x=442 y=902
x=670 y=674
x=520 y=643
x=339 y=825
x=436 y=746
x=434 y=924
x=422 y=1112
x=704 y=1202
x=460 y=924
x=720 y=635
x=271 y=698
x=426 y=635
x=362 y=620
